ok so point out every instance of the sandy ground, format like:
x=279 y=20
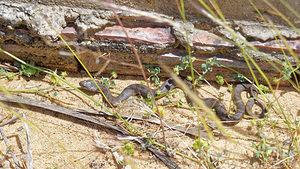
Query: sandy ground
x=62 y=142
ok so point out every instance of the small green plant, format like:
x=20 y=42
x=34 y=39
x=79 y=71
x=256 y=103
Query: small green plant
x=161 y=110
x=154 y=71
x=207 y=66
x=287 y=72
x=220 y=79
x=176 y=69
x=239 y=77
x=201 y=146
x=230 y=87
x=150 y=101
x=185 y=63
x=264 y=88
x=128 y=148
x=9 y=75
x=54 y=94
x=263 y=151
x=3 y=72
x=109 y=81
x=54 y=80
x=26 y=70
x=149 y=141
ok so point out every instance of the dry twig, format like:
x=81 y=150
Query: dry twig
x=7 y=143
x=48 y=106
x=29 y=152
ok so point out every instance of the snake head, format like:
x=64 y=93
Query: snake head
x=89 y=85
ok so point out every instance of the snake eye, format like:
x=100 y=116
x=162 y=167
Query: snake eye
x=171 y=82
x=168 y=87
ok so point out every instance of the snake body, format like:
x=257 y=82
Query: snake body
x=142 y=90
x=237 y=100
x=131 y=90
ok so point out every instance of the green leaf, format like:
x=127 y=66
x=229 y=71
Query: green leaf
x=53 y=79
x=253 y=145
x=272 y=148
x=2 y=71
x=180 y=67
x=17 y=64
x=114 y=74
x=112 y=84
x=198 y=81
x=234 y=77
x=193 y=59
x=58 y=82
x=28 y=71
x=128 y=148
x=157 y=82
x=158 y=92
x=149 y=96
x=11 y=75
x=104 y=79
x=220 y=79
x=196 y=145
x=176 y=70
x=157 y=70
x=63 y=74
x=264 y=88
x=230 y=87
x=276 y=80
x=153 y=78
x=214 y=59
x=239 y=77
x=200 y=144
